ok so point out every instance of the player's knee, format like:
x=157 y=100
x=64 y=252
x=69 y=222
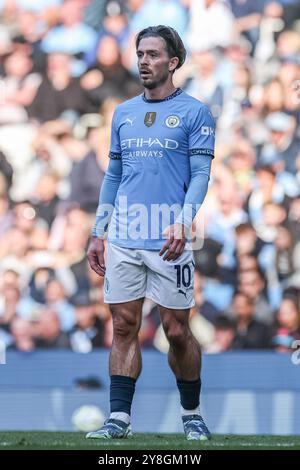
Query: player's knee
x=176 y=333
x=125 y=325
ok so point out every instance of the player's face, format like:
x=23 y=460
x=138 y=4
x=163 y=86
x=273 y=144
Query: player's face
x=154 y=63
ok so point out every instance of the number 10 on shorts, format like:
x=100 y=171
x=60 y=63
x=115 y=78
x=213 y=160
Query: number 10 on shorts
x=184 y=275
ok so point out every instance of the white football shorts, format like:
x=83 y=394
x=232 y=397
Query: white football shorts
x=133 y=273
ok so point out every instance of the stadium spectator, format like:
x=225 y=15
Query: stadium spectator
x=59 y=92
x=20 y=87
x=46 y=198
x=288 y=325
x=22 y=335
x=250 y=333
x=47 y=331
x=47 y=155
x=213 y=276
x=29 y=36
x=56 y=299
x=283 y=143
x=264 y=203
x=38 y=283
x=87 y=174
x=285 y=257
x=88 y=331
x=248 y=15
x=252 y=284
x=245 y=252
x=241 y=160
x=203 y=83
x=217 y=25
x=171 y=12
x=227 y=215
x=223 y=336
x=273 y=97
x=204 y=307
x=9 y=299
x=108 y=76
x=9 y=278
x=72 y=35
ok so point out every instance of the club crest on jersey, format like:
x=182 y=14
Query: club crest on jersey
x=149 y=119
x=172 y=121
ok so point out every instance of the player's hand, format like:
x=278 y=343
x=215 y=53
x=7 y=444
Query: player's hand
x=175 y=243
x=95 y=255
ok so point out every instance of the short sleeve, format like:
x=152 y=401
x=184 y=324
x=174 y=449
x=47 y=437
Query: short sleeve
x=115 y=152
x=202 y=133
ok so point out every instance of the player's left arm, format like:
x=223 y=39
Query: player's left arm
x=201 y=153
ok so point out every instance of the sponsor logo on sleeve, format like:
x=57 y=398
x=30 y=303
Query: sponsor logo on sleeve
x=207 y=130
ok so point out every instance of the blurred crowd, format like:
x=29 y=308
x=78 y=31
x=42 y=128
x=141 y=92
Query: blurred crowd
x=64 y=66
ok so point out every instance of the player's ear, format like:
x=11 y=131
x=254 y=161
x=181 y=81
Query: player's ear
x=173 y=64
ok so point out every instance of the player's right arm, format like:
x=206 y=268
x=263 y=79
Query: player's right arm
x=201 y=153
x=107 y=197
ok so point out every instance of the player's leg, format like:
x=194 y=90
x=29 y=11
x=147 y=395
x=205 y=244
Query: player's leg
x=125 y=357
x=170 y=285
x=125 y=362
x=124 y=367
x=125 y=277
x=184 y=353
x=184 y=358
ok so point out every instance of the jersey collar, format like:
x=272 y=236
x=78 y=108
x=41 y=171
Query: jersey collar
x=175 y=93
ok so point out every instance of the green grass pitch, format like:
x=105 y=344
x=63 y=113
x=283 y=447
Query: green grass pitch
x=77 y=441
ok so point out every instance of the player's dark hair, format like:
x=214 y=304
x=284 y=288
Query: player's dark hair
x=174 y=44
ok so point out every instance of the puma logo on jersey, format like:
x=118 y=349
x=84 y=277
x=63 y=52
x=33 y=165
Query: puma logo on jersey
x=130 y=121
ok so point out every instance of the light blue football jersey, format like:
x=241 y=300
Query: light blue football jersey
x=155 y=140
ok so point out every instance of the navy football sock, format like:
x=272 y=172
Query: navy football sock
x=121 y=393
x=189 y=393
